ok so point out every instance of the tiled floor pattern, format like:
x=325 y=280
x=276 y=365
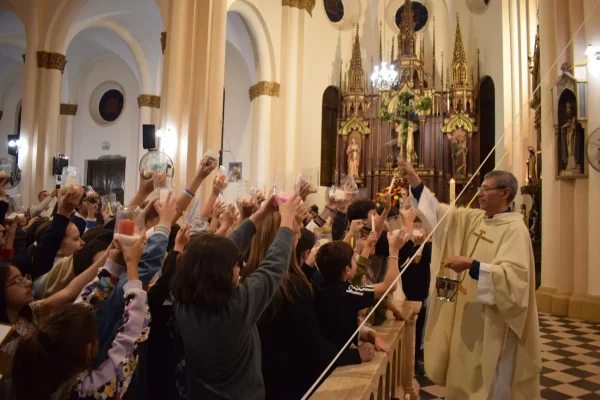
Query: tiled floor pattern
x=570 y=359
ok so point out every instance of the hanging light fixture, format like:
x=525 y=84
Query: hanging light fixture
x=384 y=77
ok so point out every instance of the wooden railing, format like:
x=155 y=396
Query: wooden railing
x=388 y=375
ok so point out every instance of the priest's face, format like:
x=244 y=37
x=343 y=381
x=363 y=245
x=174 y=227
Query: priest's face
x=493 y=198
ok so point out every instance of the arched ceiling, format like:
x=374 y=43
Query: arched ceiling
x=12 y=47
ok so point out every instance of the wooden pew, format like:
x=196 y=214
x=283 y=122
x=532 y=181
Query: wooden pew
x=387 y=376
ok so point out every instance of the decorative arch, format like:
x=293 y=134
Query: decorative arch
x=130 y=40
x=261 y=39
x=332 y=105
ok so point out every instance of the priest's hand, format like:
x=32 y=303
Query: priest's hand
x=407 y=171
x=458 y=263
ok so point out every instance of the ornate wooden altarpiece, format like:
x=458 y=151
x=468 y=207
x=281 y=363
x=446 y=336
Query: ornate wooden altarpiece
x=443 y=121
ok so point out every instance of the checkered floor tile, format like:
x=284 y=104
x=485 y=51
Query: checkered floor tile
x=570 y=359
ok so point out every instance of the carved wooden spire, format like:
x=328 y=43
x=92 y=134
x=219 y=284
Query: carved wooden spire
x=459 y=60
x=356 y=74
x=407 y=36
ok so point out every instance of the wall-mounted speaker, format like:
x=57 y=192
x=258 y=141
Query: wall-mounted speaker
x=149 y=137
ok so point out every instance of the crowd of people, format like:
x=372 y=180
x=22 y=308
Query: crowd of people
x=252 y=307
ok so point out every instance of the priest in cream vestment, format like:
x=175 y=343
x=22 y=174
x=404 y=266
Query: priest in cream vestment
x=485 y=344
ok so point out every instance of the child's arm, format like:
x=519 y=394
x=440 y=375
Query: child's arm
x=396 y=240
x=355 y=227
x=369 y=335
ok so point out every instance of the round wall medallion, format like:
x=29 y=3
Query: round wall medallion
x=107 y=103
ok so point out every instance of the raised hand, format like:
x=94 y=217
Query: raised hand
x=4 y=179
x=304 y=191
x=183 y=238
x=218 y=209
x=207 y=165
x=397 y=239
x=302 y=213
x=407 y=171
x=132 y=255
x=288 y=210
x=218 y=186
x=356 y=226
x=146 y=182
x=168 y=211
x=228 y=216
x=386 y=201
x=68 y=202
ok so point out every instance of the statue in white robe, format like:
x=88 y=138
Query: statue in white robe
x=485 y=345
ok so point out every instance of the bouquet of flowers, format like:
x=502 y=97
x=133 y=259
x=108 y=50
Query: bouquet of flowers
x=398 y=185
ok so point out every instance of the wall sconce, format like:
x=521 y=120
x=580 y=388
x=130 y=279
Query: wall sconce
x=160 y=133
x=590 y=52
x=15 y=143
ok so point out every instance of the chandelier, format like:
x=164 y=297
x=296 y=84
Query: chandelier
x=384 y=77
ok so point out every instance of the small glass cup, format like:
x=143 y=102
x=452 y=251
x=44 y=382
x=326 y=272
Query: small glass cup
x=284 y=187
x=393 y=223
x=71 y=176
x=198 y=225
x=163 y=185
x=129 y=224
x=309 y=176
x=258 y=190
x=222 y=173
x=244 y=197
x=322 y=236
x=108 y=203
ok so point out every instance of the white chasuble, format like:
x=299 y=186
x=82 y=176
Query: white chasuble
x=485 y=345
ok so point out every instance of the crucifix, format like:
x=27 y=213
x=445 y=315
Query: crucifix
x=480 y=236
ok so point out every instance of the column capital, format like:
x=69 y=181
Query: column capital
x=68 y=109
x=149 y=100
x=307 y=5
x=264 y=88
x=51 y=61
x=163 y=41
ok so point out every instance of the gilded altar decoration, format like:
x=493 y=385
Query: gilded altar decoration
x=163 y=41
x=68 y=109
x=264 y=88
x=51 y=60
x=354 y=124
x=148 y=100
x=307 y=5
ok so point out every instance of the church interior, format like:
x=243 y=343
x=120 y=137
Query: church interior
x=346 y=88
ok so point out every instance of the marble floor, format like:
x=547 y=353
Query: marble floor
x=570 y=357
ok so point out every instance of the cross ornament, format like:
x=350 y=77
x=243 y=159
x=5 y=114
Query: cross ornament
x=480 y=236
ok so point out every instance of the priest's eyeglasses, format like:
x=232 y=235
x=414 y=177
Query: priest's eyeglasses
x=485 y=189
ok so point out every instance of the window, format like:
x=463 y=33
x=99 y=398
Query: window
x=107 y=103
x=334 y=10
x=420 y=15
x=111 y=105
x=332 y=101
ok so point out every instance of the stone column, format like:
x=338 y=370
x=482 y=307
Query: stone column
x=550 y=226
x=580 y=192
x=591 y=308
x=67 y=120
x=292 y=52
x=53 y=65
x=514 y=144
x=262 y=96
x=193 y=83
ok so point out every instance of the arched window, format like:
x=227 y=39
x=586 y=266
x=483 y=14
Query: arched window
x=487 y=123
x=334 y=10
x=332 y=101
x=420 y=15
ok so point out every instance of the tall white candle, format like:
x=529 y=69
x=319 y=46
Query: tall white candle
x=372 y=222
x=392 y=184
x=452 y=191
